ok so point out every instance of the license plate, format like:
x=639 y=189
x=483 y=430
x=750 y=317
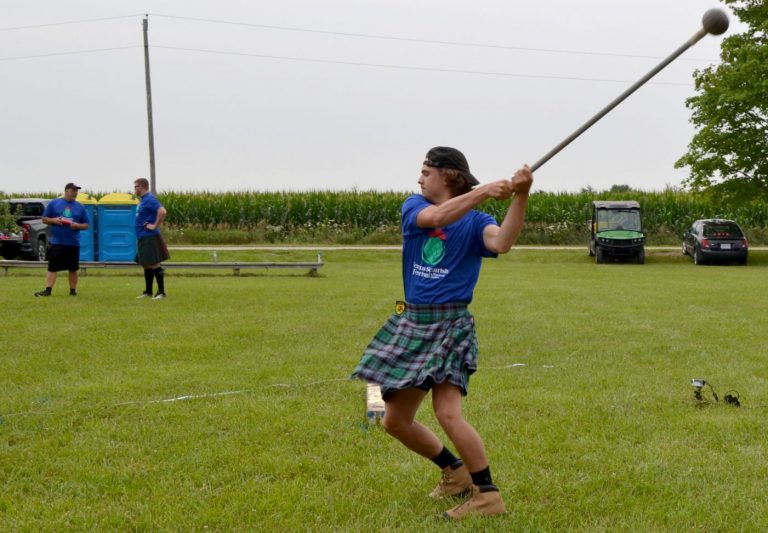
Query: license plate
x=725 y=246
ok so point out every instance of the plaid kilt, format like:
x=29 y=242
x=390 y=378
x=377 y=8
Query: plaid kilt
x=428 y=344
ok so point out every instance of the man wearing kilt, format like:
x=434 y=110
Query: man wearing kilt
x=151 y=248
x=430 y=342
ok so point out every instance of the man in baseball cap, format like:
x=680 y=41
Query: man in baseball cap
x=450 y=158
x=67 y=218
x=430 y=343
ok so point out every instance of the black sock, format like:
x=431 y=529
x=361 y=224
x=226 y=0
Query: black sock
x=445 y=458
x=160 y=277
x=148 y=276
x=483 y=477
x=72 y=291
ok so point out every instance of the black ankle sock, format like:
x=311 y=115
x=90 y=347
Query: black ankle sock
x=148 y=276
x=483 y=477
x=445 y=458
x=72 y=291
x=160 y=277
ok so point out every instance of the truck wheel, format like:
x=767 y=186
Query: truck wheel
x=599 y=255
x=641 y=257
x=41 y=250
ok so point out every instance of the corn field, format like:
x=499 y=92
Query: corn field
x=373 y=217
x=668 y=209
x=246 y=210
x=556 y=218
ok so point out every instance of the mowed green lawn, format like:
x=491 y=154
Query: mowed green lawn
x=583 y=397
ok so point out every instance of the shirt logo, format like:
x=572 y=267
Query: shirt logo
x=433 y=250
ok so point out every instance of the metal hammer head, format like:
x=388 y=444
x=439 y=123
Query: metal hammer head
x=715 y=21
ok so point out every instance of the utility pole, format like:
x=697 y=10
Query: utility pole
x=152 y=185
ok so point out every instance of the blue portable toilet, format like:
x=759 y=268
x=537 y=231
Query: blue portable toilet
x=116 y=233
x=88 y=237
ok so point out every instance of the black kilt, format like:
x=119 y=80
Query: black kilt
x=152 y=250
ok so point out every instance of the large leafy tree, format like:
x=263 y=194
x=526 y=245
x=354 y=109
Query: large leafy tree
x=730 y=150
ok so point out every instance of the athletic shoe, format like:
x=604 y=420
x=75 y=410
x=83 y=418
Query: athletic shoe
x=159 y=296
x=455 y=481
x=73 y=293
x=485 y=501
x=45 y=292
x=143 y=295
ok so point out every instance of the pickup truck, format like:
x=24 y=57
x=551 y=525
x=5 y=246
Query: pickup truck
x=32 y=237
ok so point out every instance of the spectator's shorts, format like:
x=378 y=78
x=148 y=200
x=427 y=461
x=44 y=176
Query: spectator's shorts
x=61 y=257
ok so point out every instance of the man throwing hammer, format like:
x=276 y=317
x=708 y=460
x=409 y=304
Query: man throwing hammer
x=430 y=343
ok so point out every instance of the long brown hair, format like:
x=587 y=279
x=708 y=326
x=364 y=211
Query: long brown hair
x=455 y=181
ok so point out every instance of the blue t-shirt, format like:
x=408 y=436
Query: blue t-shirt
x=147 y=214
x=442 y=265
x=70 y=211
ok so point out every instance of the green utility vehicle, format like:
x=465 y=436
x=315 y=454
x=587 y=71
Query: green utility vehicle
x=616 y=232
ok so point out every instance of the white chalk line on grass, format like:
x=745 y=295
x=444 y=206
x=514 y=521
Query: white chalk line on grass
x=182 y=398
x=310 y=383
x=513 y=365
x=224 y=393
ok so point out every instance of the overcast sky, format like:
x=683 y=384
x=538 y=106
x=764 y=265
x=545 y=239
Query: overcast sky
x=341 y=94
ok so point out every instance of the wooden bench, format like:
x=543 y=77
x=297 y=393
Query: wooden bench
x=236 y=266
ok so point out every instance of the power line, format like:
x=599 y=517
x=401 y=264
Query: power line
x=346 y=63
x=72 y=52
x=405 y=67
x=338 y=62
x=64 y=23
x=356 y=35
x=414 y=40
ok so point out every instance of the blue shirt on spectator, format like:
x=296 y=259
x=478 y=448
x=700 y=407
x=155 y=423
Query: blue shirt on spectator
x=70 y=211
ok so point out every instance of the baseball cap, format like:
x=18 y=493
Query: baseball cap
x=446 y=157
x=71 y=185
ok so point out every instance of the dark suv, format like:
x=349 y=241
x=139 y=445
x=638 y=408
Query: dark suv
x=716 y=240
x=31 y=238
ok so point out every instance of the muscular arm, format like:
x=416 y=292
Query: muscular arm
x=499 y=239
x=449 y=211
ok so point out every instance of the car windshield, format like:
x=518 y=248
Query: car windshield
x=618 y=219
x=722 y=230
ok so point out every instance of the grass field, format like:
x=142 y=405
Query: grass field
x=598 y=431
